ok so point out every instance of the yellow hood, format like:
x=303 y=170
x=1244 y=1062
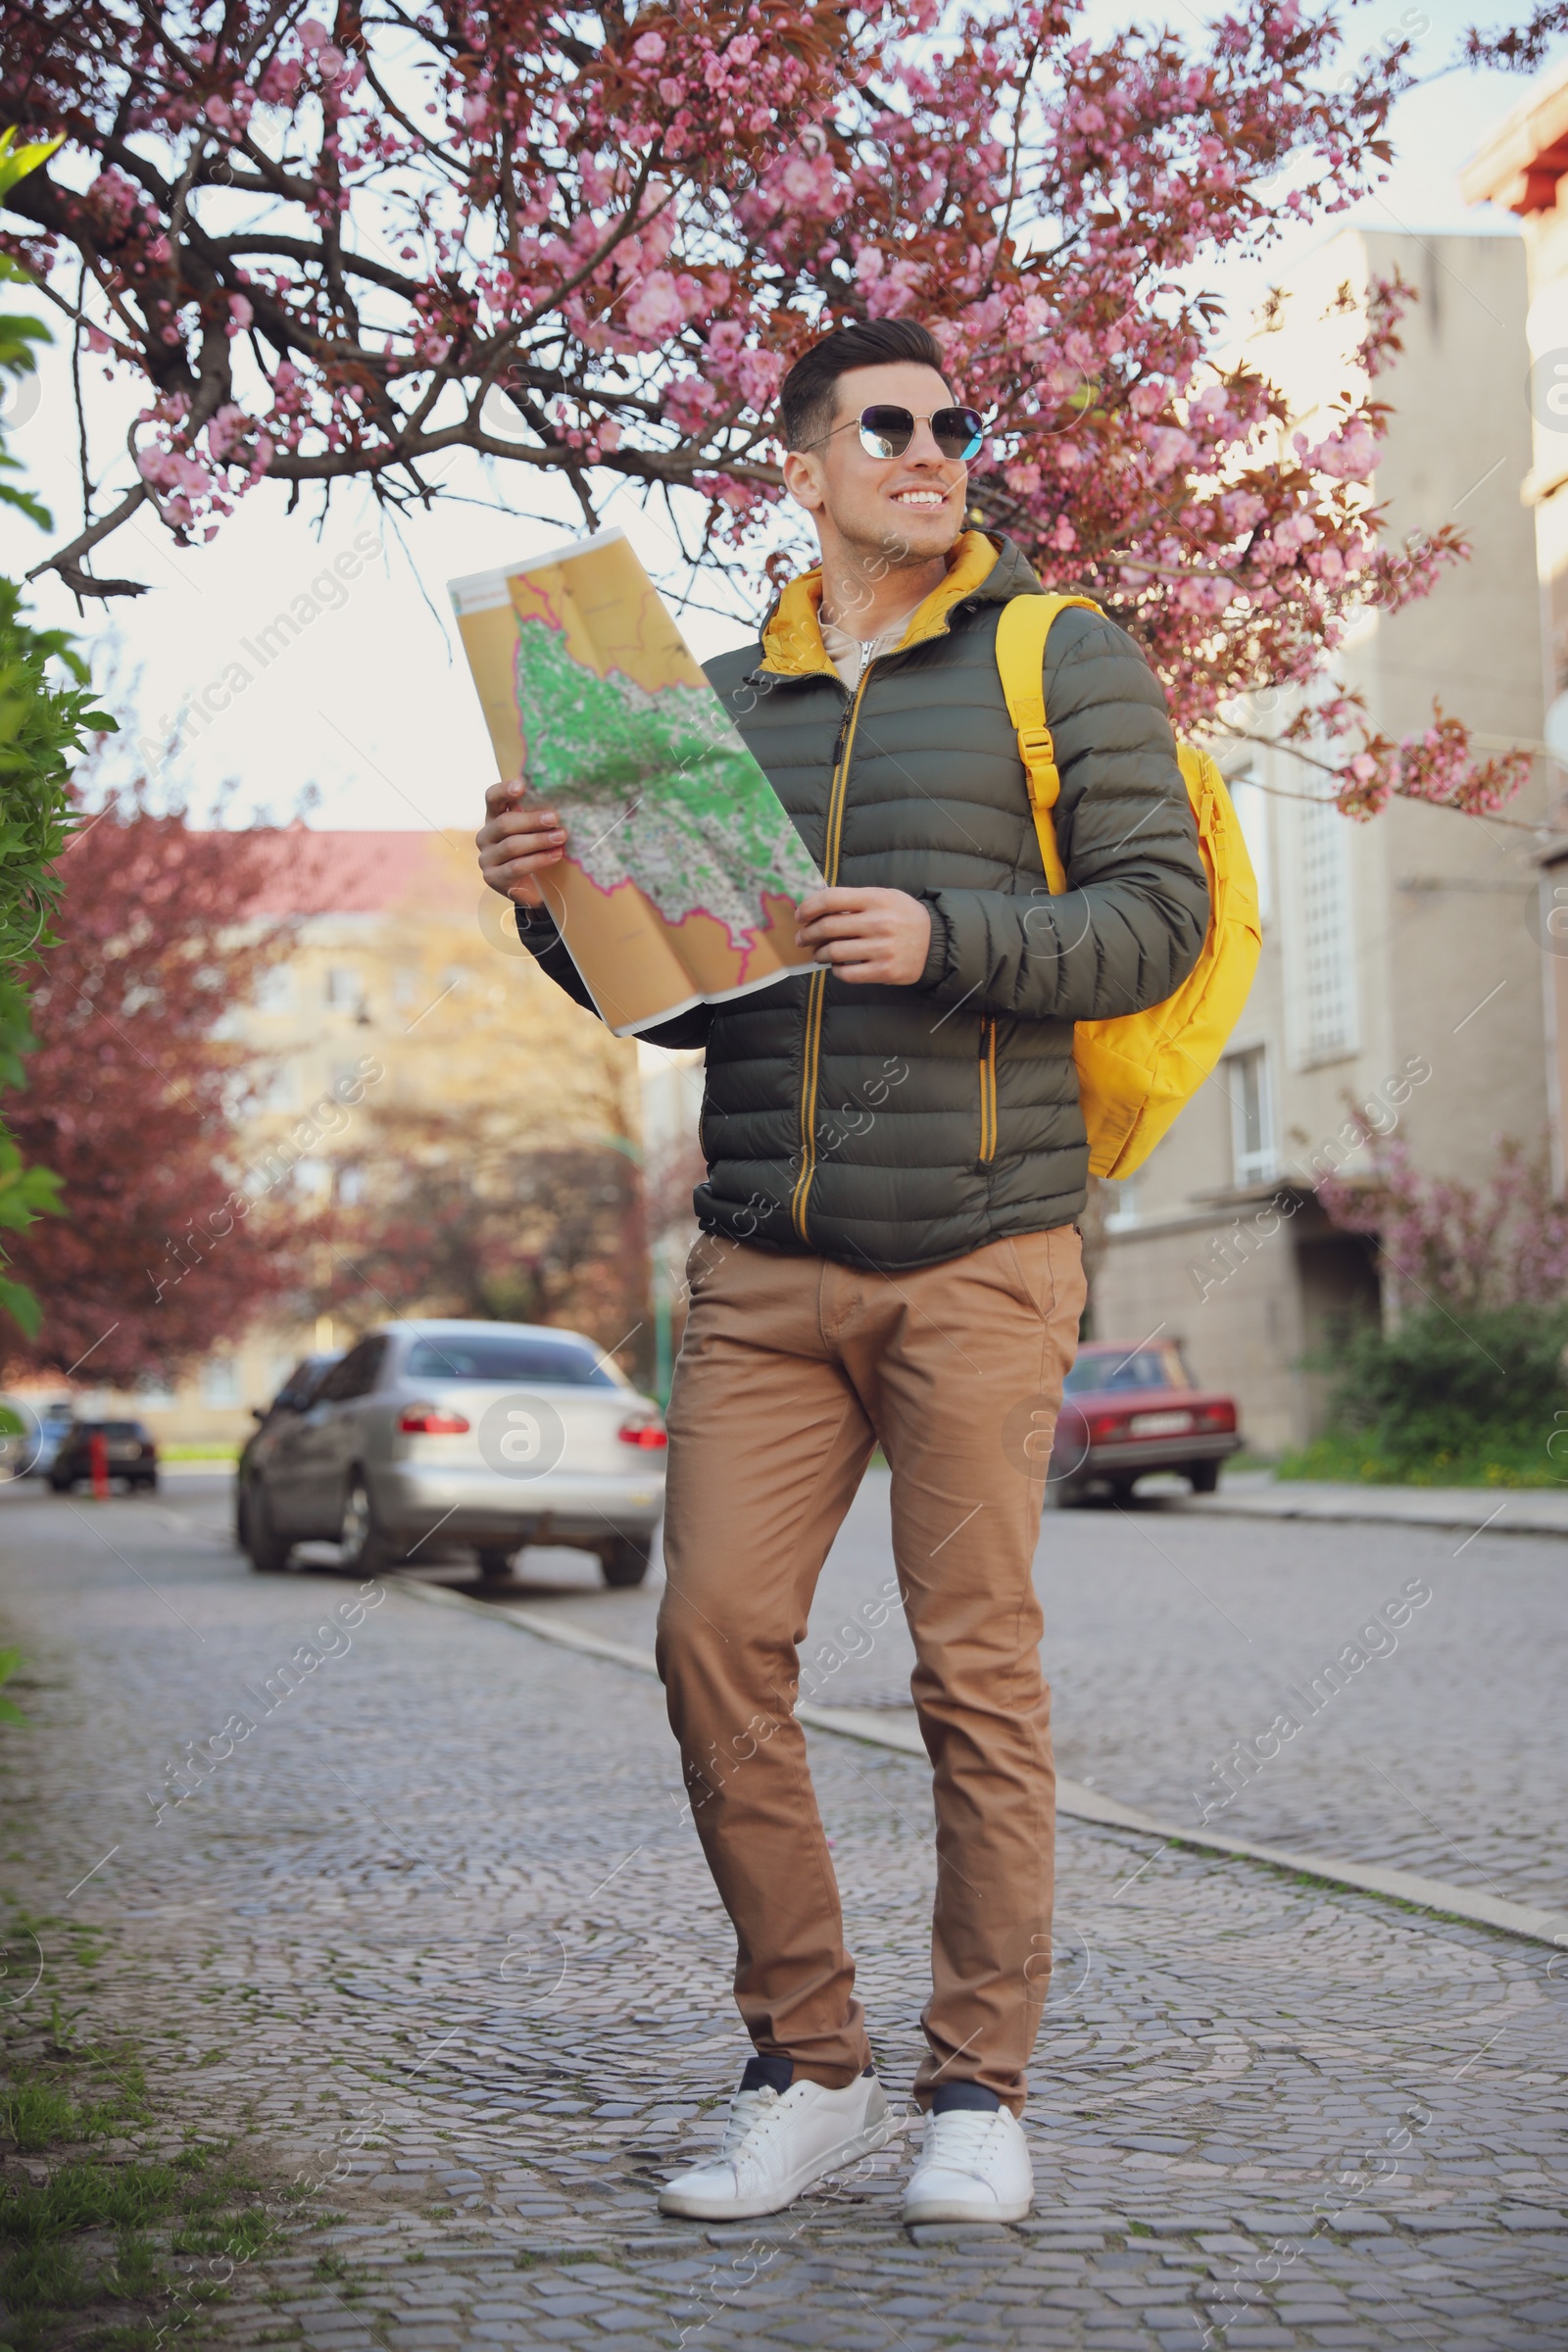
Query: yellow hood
x=792 y=642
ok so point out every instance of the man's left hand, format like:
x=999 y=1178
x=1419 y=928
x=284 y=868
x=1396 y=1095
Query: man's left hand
x=878 y=934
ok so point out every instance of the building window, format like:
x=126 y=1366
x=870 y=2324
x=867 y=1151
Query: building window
x=1251 y=802
x=1320 y=998
x=279 y=1089
x=1245 y=1077
x=274 y=990
x=343 y=988
x=1121 y=1203
x=220 y=1380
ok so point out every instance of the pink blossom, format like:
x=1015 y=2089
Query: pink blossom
x=1242 y=510
x=1168 y=447
x=688 y=402
x=225 y=430
x=649 y=48
x=657 y=310
x=1350 y=456
x=808 y=184
x=1470 y=1247
x=760 y=375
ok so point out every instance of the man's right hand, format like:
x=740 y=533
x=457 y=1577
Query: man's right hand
x=517 y=841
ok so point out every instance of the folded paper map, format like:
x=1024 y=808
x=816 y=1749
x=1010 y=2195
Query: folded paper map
x=682 y=868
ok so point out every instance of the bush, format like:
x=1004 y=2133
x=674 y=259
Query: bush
x=1437 y=1402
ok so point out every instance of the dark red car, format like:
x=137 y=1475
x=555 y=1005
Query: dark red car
x=1129 y=1409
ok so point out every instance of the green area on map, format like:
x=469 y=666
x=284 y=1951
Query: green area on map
x=657 y=788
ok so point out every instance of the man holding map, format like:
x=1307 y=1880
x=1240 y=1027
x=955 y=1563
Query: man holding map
x=896 y=1161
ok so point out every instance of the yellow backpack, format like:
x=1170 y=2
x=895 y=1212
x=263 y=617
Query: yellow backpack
x=1135 y=1073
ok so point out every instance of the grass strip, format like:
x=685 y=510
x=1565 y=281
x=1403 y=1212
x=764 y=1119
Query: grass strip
x=97 y=2241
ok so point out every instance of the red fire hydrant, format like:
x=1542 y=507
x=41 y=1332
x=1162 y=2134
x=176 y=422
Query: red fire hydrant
x=98 y=1457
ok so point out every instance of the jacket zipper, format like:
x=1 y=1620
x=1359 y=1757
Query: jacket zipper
x=988 y=1088
x=837 y=793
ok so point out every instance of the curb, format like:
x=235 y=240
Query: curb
x=870 y=1727
x=1444 y=1517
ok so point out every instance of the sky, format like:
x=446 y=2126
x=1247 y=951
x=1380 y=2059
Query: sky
x=367 y=718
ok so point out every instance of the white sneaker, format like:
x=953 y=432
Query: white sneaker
x=778 y=2144
x=974 y=2166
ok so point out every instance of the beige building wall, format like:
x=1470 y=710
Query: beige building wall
x=1400 y=972
x=1522 y=169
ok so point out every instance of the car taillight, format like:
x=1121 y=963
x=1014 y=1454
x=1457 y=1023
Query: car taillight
x=1218 y=1416
x=1105 y=1426
x=429 y=1421
x=647 y=1434
x=148 y=1450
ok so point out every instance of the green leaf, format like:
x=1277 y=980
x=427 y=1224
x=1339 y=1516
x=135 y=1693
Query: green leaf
x=19 y=1302
x=34 y=508
x=43 y=726
x=17 y=161
x=18 y=334
x=10 y=1712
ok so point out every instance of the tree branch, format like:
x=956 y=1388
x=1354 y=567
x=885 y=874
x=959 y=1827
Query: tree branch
x=64 y=559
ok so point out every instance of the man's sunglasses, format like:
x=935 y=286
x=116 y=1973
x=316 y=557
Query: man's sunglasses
x=887 y=431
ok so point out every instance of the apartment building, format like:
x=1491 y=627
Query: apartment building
x=1522 y=169
x=1400 y=976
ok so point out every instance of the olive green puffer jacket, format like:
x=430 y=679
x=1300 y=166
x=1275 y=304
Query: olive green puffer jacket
x=895 y=1127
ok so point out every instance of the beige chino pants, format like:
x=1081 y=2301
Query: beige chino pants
x=791 y=1371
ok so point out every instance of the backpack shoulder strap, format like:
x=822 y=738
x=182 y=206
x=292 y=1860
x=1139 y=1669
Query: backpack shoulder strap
x=1021 y=634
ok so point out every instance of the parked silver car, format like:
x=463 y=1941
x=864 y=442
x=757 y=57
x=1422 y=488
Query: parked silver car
x=491 y=1435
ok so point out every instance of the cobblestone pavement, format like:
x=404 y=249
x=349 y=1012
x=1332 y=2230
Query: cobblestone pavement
x=436 y=1928
x=1169 y=1636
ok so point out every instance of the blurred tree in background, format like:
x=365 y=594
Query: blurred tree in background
x=462 y=1216
x=134 y=1090
x=1465 y=1381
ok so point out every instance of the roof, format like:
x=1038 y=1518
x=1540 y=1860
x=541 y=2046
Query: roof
x=1525 y=157
x=311 y=872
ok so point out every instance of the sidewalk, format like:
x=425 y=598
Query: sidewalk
x=1500 y=1510
x=439 y=1929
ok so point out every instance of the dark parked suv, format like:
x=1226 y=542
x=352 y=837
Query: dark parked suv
x=128 y=1449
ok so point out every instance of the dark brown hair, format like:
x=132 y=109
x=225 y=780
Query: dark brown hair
x=806 y=402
